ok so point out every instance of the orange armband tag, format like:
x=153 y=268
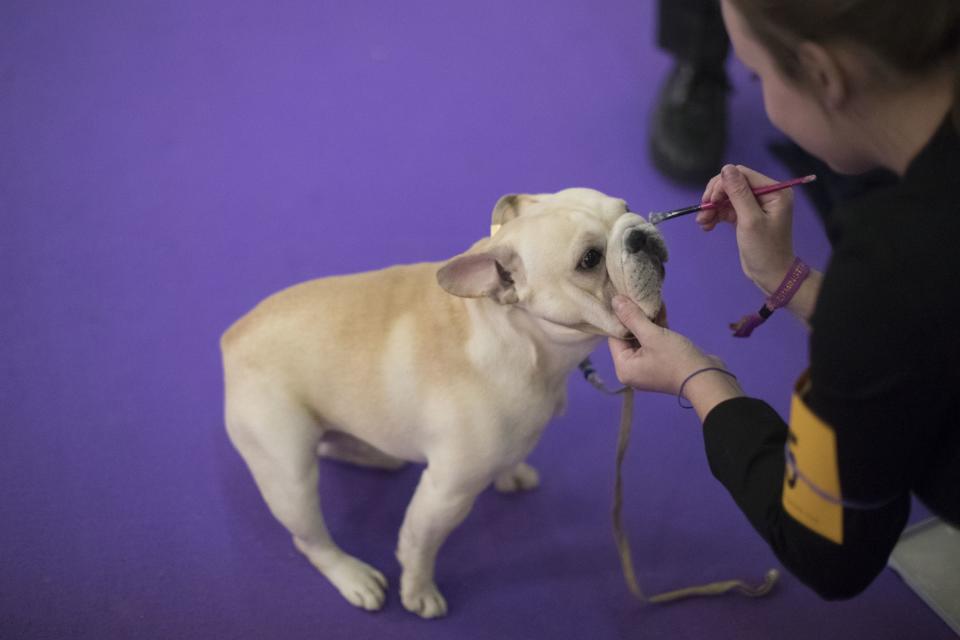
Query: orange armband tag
x=811 y=482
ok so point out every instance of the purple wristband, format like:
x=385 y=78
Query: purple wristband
x=797 y=273
x=683 y=385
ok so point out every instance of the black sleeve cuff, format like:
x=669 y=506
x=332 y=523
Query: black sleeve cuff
x=744 y=440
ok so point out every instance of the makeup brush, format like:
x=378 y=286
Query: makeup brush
x=656 y=217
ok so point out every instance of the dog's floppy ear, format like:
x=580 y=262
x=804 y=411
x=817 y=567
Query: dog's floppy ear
x=507 y=208
x=479 y=275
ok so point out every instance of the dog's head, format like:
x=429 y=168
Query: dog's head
x=562 y=257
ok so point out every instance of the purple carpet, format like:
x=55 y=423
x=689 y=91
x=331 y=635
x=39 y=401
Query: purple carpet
x=165 y=165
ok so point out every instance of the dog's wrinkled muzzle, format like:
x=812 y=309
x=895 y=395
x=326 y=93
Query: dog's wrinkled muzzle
x=635 y=256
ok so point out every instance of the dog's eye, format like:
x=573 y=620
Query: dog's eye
x=590 y=260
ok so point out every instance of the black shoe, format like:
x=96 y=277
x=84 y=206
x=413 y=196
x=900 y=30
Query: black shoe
x=689 y=124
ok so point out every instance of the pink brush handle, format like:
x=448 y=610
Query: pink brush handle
x=759 y=191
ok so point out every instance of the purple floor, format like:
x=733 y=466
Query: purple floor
x=165 y=165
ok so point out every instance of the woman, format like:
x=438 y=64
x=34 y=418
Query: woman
x=860 y=84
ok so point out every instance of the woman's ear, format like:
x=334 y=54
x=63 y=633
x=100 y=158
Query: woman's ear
x=824 y=74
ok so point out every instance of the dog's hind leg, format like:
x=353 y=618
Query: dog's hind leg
x=343 y=447
x=278 y=439
x=522 y=477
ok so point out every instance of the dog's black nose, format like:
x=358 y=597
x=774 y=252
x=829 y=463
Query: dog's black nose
x=636 y=240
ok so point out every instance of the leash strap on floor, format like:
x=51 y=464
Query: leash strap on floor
x=620 y=536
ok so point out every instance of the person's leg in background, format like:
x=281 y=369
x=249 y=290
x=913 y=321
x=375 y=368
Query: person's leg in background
x=688 y=131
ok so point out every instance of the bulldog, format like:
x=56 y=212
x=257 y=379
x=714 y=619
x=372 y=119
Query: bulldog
x=457 y=365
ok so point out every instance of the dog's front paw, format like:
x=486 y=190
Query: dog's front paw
x=522 y=477
x=425 y=601
x=362 y=585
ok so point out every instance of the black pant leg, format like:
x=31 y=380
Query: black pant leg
x=693 y=31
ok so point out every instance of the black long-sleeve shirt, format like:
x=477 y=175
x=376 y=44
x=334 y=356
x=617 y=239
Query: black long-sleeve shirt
x=878 y=416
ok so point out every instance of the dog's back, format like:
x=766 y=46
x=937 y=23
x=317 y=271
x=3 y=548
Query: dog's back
x=357 y=350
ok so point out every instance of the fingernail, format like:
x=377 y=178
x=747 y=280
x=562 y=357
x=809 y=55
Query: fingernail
x=728 y=171
x=619 y=302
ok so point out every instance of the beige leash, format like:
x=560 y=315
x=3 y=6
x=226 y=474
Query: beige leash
x=620 y=536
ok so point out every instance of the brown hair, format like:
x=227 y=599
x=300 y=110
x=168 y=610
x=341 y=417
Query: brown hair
x=911 y=38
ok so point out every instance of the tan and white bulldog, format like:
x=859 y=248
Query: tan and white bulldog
x=458 y=365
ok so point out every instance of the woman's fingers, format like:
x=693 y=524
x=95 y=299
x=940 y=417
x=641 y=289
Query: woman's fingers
x=710 y=218
x=634 y=319
x=707 y=217
x=709 y=190
x=738 y=190
x=733 y=184
x=620 y=348
x=755 y=178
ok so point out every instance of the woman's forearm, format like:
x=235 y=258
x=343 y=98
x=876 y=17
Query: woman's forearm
x=708 y=389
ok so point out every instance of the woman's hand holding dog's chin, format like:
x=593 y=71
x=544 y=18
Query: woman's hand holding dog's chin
x=664 y=359
x=660 y=360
